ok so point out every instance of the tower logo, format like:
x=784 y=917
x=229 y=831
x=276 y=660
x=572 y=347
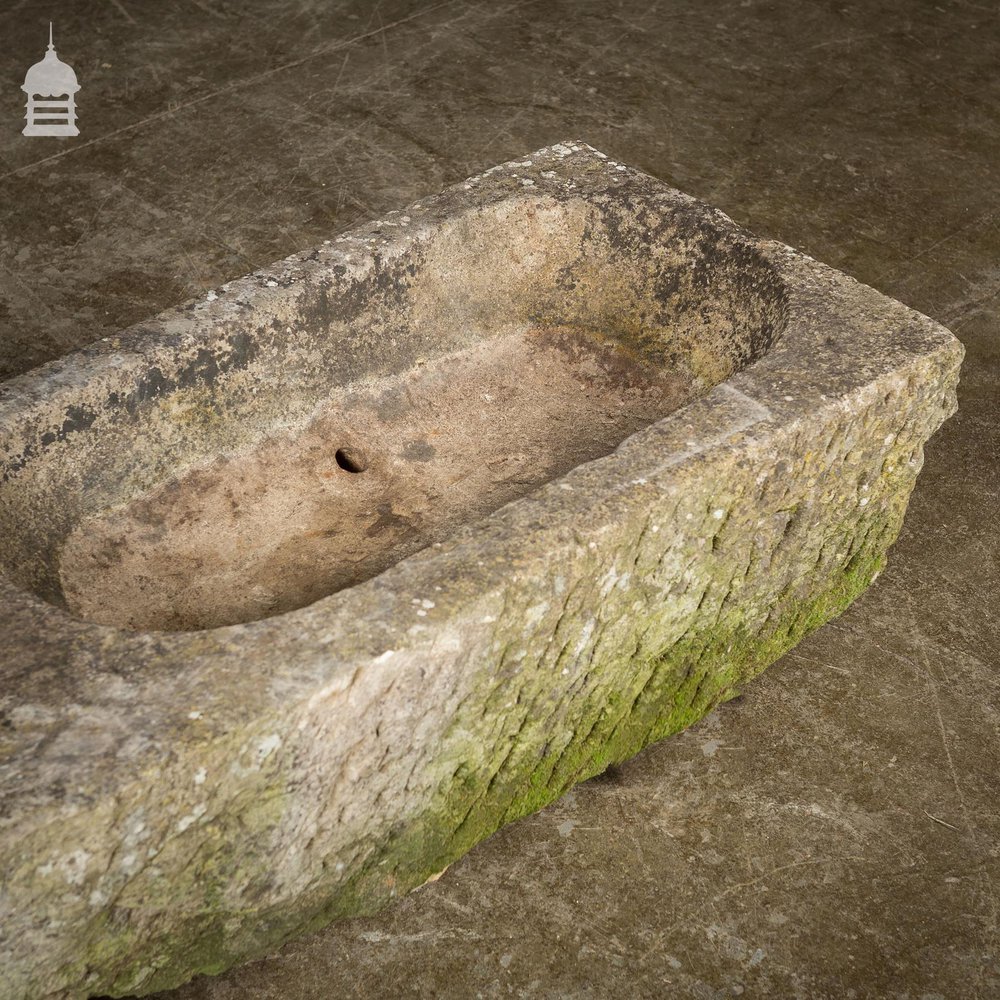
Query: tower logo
x=51 y=86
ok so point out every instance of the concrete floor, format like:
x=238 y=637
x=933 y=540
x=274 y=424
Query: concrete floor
x=836 y=832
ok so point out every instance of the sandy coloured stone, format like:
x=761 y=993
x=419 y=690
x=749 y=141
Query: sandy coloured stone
x=467 y=604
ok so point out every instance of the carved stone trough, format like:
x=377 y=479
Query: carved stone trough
x=309 y=586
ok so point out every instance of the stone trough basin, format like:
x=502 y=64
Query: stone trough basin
x=312 y=584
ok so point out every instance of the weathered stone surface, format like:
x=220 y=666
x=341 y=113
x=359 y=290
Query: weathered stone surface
x=174 y=802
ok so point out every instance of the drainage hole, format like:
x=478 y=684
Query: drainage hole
x=351 y=460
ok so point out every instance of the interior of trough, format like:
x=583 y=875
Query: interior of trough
x=524 y=340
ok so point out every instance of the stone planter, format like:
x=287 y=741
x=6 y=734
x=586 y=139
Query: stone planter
x=312 y=584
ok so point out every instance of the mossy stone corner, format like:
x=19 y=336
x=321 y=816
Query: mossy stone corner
x=187 y=785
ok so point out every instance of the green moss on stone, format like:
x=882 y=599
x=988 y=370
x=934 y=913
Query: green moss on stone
x=650 y=700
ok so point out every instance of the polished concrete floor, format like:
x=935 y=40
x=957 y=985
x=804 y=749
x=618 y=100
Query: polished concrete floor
x=835 y=833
